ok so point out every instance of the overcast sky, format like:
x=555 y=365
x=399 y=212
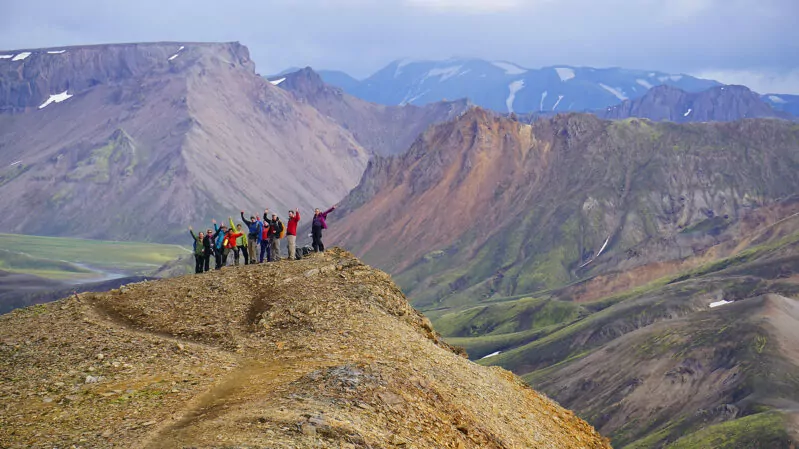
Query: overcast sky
x=752 y=42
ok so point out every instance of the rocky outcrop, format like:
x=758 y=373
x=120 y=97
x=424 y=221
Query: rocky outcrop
x=239 y=359
x=384 y=130
x=717 y=104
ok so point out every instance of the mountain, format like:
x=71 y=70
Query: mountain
x=782 y=102
x=566 y=249
x=485 y=206
x=238 y=359
x=339 y=79
x=717 y=104
x=381 y=129
x=507 y=87
x=169 y=134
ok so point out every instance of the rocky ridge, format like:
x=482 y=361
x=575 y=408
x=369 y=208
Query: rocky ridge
x=323 y=352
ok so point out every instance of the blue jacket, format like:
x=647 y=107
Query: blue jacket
x=219 y=236
x=255 y=228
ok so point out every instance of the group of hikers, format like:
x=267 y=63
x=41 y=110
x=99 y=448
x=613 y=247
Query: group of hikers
x=245 y=242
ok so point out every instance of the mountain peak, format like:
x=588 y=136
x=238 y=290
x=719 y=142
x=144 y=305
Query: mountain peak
x=238 y=358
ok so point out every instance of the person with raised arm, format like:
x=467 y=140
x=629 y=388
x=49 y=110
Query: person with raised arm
x=199 y=249
x=254 y=230
x=319 y=222
x=291 y=232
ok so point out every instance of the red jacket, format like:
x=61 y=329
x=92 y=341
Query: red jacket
x=230 y=239
x=291 y=229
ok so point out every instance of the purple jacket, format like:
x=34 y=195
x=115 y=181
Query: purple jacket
x=319 y=220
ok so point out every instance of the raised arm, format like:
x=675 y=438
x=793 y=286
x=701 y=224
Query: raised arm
x=247 y=222
x=324 y=214
x=191 y=231
x=232 y=226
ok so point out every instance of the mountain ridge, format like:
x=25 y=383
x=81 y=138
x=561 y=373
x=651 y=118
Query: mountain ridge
x=356 y=368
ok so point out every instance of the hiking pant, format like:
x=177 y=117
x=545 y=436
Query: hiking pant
x=235 y=255
x=243 y=250
x=206 y=262
x=292 y=242
x=218 y=257
x=225 y=253
x=316 y=235
x=265 y=249
x=198 y=263
x=252 y=245
x=275 y=243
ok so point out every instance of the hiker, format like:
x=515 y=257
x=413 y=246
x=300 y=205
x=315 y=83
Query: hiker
x=266 y=248
x=231 y=236
x=219 y=245
x=291 y=232
x=198 y=250
x=241 y=244
x=276 y=232
x=319 y=223
x=255 y=229
x=208 y=250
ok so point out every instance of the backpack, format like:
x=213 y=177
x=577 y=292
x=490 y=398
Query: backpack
x=282 y=230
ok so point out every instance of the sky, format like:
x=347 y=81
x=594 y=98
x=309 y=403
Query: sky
x=750 y=42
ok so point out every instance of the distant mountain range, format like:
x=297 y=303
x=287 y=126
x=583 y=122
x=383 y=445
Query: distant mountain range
x=381 y=129
x=717 y=104
x=507 y=87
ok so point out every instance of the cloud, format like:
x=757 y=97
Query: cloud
x=763 y=82
x=362 y=36
x=466 y=6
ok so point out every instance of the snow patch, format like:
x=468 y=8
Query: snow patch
x=443 y=73
x=617 y=92
x=492 y=355
x=652 y=74
x=276 y=82
x=565 y=73
x=543 y=96
x=400 y=64
x=560 y=97
x=177 y=53
x=514 y=87
x=644 y=83
x=21 y=56
x=773 y=98
x=57 y=98
x=675 y=78
x=686 y=114
x=6 y=56
x=713 y=305
x=55 y=52
x=14 y=163
x=510 y=69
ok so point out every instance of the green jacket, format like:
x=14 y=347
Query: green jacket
x=240 y=241
x=198 y=244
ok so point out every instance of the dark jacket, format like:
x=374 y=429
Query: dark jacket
x=275 y=227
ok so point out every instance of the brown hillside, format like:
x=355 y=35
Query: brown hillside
x=155 y=137
x=324 y=352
